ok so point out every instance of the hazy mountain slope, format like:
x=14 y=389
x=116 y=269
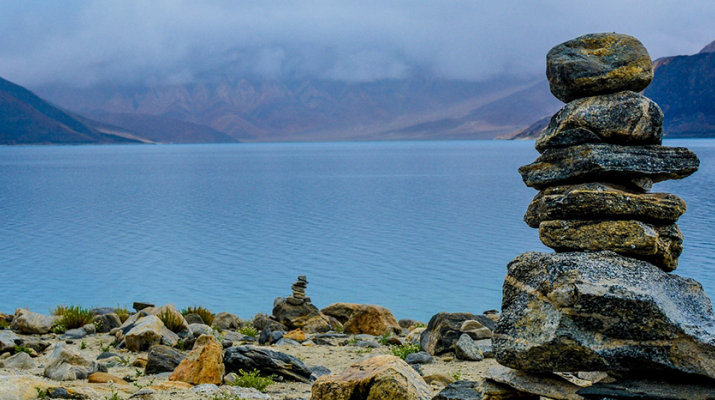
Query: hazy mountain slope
x=533 y=131
x=27 y=119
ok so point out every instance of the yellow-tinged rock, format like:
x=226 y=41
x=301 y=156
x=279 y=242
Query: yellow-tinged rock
x=204 y=364
x=376 y=378
x=372 y=320
x=168 y=385
x=140 y=362
x=103 y=377
x=295 y=334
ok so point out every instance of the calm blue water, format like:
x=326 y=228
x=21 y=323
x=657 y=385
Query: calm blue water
x=418 y=227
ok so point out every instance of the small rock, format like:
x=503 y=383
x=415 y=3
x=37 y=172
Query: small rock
x=137 y=306
x=465 y=349
x=368 y=344
x=372 y=320
x=140 y=362
x=421 y=357
x=296 y=334
x=103 y=377
x=444 y=329
x=409 y=323
x=230 y=378
x=287 y=342
x=106 y=322
x=269 y=362
x=319 y=370
x=147 y=332
x=194 y=319
x=226 y=321
x=245 y=393
x=485 y=346
x=475 y=330
x=7 y=341
x=439 y=378
x=205 y=388
x=460 y=390
x=20 y=360
x=162 y=359
x=66 y=363
x=74 y=334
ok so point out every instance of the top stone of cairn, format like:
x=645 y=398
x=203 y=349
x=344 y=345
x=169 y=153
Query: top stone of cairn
x=598 y=63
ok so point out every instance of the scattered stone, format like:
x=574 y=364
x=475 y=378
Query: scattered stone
x=439 y=378
x=137 y=306
x=372 y=320
x=268 y=362
x=26 y=321
x=608 y=163
x=319 y=370
x=200 y=329
x=287 y=342
x=444 y=329
x=140 y=362
x=485 y=346
x=415 y=335
x=625 y=118
x=226 y=322
x=476 y=330
x=460 y=390
x=245 y=393
x=602 y=312
x=205 y=388
x=20 y=360
x=599 y=201
x=341 y=311
x=147 y=332
x=379 y=377
x=465 y=349
x=368 y=344
x=409 y=323
x=101 y=311
x=546 y=385
x=421 y=357
x=262 y=321
x=65 y=363
x=661 y=245
x=103 y=377
x=204 y=364
x=162 y=359
x=171 y=385
x=304 y=316
x=74 y=334
x=7 y=341
x=296 y=335
x=598 y=63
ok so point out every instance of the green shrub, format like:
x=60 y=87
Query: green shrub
x=171 y=321
x=4 y=324
x=206 y=315
x=252 y=380
x=404 y=350
x=384 y=339
x=248 y=330
x=22 y=349
x=73 y=317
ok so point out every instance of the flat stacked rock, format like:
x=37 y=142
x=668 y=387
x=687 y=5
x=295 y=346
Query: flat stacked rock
x=298 y=297
x=605 y=301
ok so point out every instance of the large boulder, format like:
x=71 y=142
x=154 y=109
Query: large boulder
x=660 y=245
x=599 y=201
x=376 y=378
x=304 y=316
x=162 y=359
x=266 y=361
x=204 y=364
x=623 y=118
x=341 y=311
x=602 y=312
x=372 y=320
x=652 y=388
x=226 y=322
x=608 y=163
x=29 y=322
x=598 y=63
x=66 y=363
x=547 y=385
x=444 y=329
x=148 y=331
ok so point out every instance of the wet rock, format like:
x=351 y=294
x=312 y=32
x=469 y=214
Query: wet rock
x=20 y=360
x=546 y=385
x=652 y=389
x=421 y=357
x=598 y=63
x=226 y=321
x=268 y=362
x=162 y=359
x=204 y=364
x=460 y=390
x=372 y=320
x=625 y=118
x=465 y=349
x=65 y=363
x=608 y=163
x=379 y=377
x=661 y=245
x=444 y=329
x=26 y=321
x=602 y=312
x=597 y=201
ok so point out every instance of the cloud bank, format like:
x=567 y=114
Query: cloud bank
x=89 y=43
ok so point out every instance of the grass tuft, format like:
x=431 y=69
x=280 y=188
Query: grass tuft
x=252 y=380
x=248 y=330
x=206 y=315
x=404 y=350
x=171 y=321
x=122 y=313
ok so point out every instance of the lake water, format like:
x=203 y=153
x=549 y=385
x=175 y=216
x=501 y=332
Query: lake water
x=418 y=227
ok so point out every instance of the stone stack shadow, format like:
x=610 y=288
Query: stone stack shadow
x=605 y=301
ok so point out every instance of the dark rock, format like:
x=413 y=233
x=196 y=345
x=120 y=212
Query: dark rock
x=7 y=341
x=625 y=118
x=602 y=312
x=74 y=334
x=444 y=329
x=265 y=336
x=460 y=390
x=107 y=354
x=421 y=357
x=408 y=323
x=368 y=344
x=319 y=370
x=598 y=63
x=547 y=385
x=655 y=389
x=266 y=361
x=59 y=392
x=193 y=319
x=608 y=163
x=226 y=321
x=137 y=306
x=276 y=336
x=596 y=201
x=286 y=342
x=305 y=316
x=101 y=311
x=261 y=321
x=485 y=346
x=465 y=349
x=162 y=359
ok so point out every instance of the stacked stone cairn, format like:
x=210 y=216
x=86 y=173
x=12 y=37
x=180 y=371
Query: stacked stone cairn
x=298 y=297
x=605 y=306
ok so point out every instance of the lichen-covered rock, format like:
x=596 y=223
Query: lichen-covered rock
x=29 y=322
x=341 y=311
x=266 y=361
x=162 y=359
x=376 y=378
x=661 y=245
x=372 y=320
x=620 y=118
x=444 y=329
x=594 y=201
x=547 y=385
x=652 y=388
x=204 y=364
x=465 y=349
x=598 y=63
x=608 y=163
x=602 y=312
x=66 y=363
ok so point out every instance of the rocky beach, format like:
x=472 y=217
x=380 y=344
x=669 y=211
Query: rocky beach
x=603 y=317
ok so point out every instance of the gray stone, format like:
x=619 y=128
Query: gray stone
x=226 y=321
x=546 y=385
x=625 y=118
x=138 y=306
x=78 y=333
x=162 y=359
x=319 y=370
x=261 y=321
x=101 y=311
x=408 y=323
x=598 y=63
x=7 y=341
x=20 y=360
x=147 y=332
x=421 y=357
x=27 y=321
x=368 y=344
x=608 y=163
x=206 y=388
x=198 y=329
x=286 y=342
x=444 y=329
x=465 y=349
x=245 y=393
x=66 y=363
x=90 y=329
x=460 y=390
x=598 y=201
x=476 y=330
x=602 y=312
x=652 y=389
x=193 y=319
x=266 y=361
x=485 y=346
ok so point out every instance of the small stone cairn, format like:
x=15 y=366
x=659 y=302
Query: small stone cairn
x=605 y=301
x=298 y=297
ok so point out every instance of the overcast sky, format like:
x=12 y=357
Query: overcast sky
x=157 y=41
